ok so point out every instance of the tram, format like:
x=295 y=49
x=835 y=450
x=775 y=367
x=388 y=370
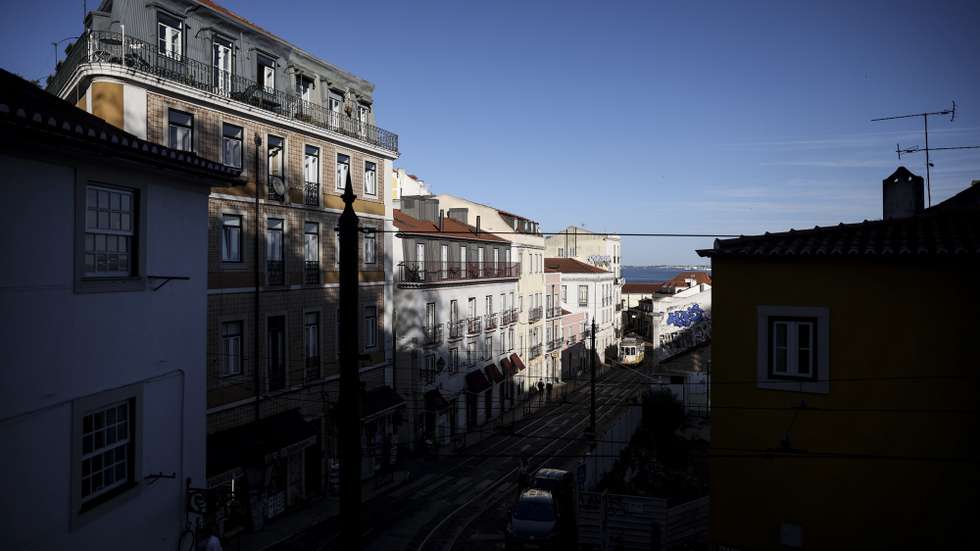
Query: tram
x=631 y=351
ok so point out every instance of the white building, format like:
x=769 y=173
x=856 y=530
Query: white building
x=455 y=322
x=102 y=398
x=678 y=317
x=528 y=246
x=590 y=290
x=404 y=184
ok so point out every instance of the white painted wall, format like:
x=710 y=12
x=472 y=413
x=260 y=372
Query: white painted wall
x=665 y=331
x=605 y=325
x=60 y=346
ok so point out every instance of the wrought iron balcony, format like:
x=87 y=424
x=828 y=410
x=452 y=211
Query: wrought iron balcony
x=534 y=314
x=490 y=322
x=474 y=325
x=447 y=272
x=100 y=48
x=432 y=334
x=535 y=351
x=508 y=316
x=311 y=272
x=554 y=344
x=312 y=194
x=457 y=329
x=275 y=272
x=554 y=312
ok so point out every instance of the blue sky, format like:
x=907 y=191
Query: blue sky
x=669 y=116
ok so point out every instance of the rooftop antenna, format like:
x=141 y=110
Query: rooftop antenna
x=925 y=124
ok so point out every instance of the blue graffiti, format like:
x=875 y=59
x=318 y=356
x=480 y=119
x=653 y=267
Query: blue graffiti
x=686 y=318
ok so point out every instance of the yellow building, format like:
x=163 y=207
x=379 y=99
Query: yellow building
x=844 y=403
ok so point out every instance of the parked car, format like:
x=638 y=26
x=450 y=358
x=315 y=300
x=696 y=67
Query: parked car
x=535 y=522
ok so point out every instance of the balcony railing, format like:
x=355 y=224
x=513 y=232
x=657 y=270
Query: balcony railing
x=535 y=351
x=554 y=344
x=311 y=272
x=534 y=314
x=441 y=272
x=474 y=325
x=275 y=272
x=554 y=312
x=457 y=329
x=432 y=334
x=490 y=322
x=312 y=194
x=107 y=48
x=508 y=316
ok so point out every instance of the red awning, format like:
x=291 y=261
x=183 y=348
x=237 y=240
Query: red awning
x=476 y=382
x=508 y=367
x=493 y=373
x=518 y=363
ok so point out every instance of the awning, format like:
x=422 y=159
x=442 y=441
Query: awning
x=518 y=363
x=233 y=448
x=434 y=401
x=493 y=373
x=476 y=382
x=381 y=400
x=508 y=367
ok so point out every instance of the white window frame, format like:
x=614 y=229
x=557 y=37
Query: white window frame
x=227 y=158
x=222 y=61
x=173 y=36
x=231 y=349
x=370 y=327
x=173 y=136
x=231 y=233
x=370 y=248
x=818 y=382
x=99 y=222
x=341 y=181
x=371 y=183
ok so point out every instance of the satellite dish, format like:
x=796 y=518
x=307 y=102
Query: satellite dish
x=278 y=185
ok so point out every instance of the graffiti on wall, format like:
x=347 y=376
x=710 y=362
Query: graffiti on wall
x=693 y=315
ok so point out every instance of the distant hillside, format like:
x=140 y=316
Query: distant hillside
x=657 y=273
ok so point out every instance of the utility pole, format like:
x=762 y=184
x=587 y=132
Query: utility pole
x=349 y=418
x=592 y=392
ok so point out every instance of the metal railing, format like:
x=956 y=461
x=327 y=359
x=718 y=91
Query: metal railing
x=554 y=312
x=432 y=334
x=437 y=271
x=457 y=329
x=312 y=193
x=311 y=272
x=534 y=314
x=490 y=322
x=554 y=344
x=535 y=351
x=508 y=316
x=275 y=272
x=108 y=48
x=474 y=325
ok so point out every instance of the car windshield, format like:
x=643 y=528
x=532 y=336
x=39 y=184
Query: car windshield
x=534 y=510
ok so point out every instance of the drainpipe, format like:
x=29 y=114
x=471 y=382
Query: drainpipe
x=255 y=324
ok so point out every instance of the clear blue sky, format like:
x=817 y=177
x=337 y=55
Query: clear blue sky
x=669 y=116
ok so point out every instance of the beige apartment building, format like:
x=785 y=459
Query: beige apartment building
x=528 y=251
x=195 y=77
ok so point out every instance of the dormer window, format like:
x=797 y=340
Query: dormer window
x=170 y=31
x=266 y=73
x=304 y=87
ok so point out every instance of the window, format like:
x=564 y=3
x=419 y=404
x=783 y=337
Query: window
x=274 y=251
x=180 y=127
x=510 y=339
x=311 y=252
x=304 y=87
x=488 y=348
x=470 y=353
x=276 y=352
x=583 y=295
x=231 y=348
x=453 y=361
x=108 y=450
x=429 y=374
x=231 y=238
x=343 y=169
x=231 y=145
x=221 y=60
x=370 y=248
x=276 y=157
x=110 y=219
x=311 y=174
x=266 y=73
x=370 y=327
x=311 y=342
x=793 y=348
x=334 y=112
x=370 y=178
x=430 y=317
x=169 y=36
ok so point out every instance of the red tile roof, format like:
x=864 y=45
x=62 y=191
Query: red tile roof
x=571 y=266
x=680 y=280
x=645 y=288
x=949 y=229
x=29 y=113
x=451 y=228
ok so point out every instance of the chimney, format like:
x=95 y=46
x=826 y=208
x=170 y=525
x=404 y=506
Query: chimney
x=442 y=215
x=478 y=224
x=901 y=194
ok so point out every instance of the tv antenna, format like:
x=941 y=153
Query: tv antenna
x=915 y=149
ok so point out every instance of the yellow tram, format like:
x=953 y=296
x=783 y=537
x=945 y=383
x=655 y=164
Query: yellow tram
x=631 y=351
